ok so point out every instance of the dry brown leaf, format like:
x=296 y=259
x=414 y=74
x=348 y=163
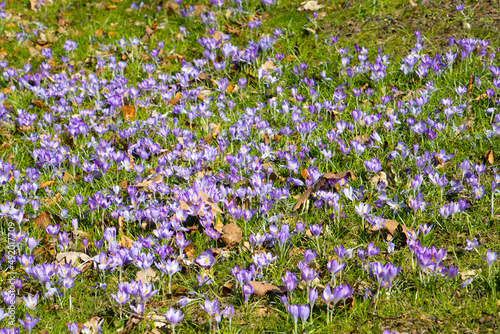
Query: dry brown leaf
x=231 y=30
x=261 y=289
x=268 y=66
x=205 y=198
x=205 y=77
x=128 y=112
x=175 y=56
x=147 y=33
x=132 y=323
x=231 y=235
x=67 y=177
x=199 y=9
x=364 y=139
x=391 y=226
x=42 y=220
x=321 y=182
x=152 y=276
x=171 y=7
x=73 y=257
x=46 y=184
x=81 y=234
x=480 y=97
x=379 y=177
x=310 y=5
x=126 y=242
x=488 y=157
x=146 y=184
x=443 y=166
x=175 y=100
x=38 y=104
x=120 y=223
x=465 y=275
x=218 y=226
x=208 y=138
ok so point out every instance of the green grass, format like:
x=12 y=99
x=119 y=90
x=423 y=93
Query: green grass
x=412 y=304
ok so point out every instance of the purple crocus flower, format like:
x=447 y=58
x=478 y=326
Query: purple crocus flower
x=309 y=255
x=31 y=301
x=373 y=165
x=371 y=250
x=174 y=317
x=316 y=229
x=490 y=257
x=228 y=312
x=334 y=267
x=308 y=275
x=206 y=259
x=312 y=296
x=293 y=310
x=3 y=315
x=247 y=291
x=29 y=323
x=471 y=244
x=73 y=327
x=304 y=312
x=290 y=281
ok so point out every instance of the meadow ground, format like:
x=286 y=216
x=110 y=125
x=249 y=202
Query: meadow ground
x=249 y=166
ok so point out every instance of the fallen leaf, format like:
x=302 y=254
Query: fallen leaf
x=73 y=257
x=379 y=177
x=175 y=100
x=46 y=184
x=231 y=235
x=391 y=226
x=177 y=291
x=42 y=220
x=207 y=200
x=320 y=183
x=488 y=157
x=218 y=226
x=443 y=166
x=208 y=138
x=147 y=33
x=128 y=112
x=152 y=276
x=126 y=242
x=67 y=177
x=81 y=234
x=226 y=289
x=146 y=184
x=230 y=89
x=364 y=139
x=261 y=289
x=131 y=324
x=310 y=5
x=205 y=77
x=268 y=65
x=465 y=275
